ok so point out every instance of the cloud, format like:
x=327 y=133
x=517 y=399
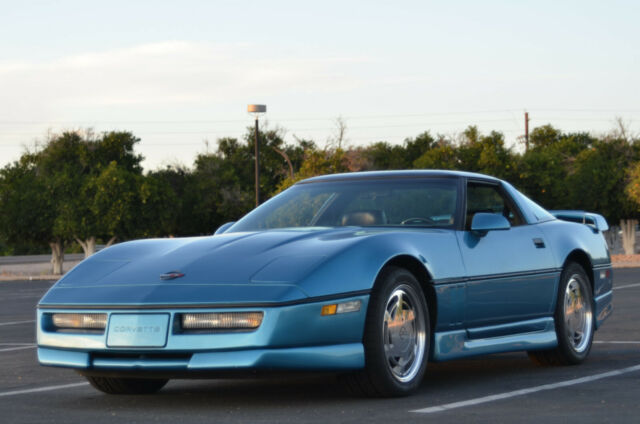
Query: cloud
x=169 y=73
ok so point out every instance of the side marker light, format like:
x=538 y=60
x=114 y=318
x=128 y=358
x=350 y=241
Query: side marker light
x=341 y=308
x=329 y=310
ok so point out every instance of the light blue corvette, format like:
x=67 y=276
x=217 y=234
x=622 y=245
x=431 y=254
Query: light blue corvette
x=369 y=274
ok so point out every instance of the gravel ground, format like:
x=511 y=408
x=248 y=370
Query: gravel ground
x=625 y=261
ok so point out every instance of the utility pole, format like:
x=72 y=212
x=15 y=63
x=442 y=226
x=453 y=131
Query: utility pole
x=257 y=167
x=526 y=131
x=257 y=110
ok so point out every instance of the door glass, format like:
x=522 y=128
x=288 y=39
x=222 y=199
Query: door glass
x=488 y=198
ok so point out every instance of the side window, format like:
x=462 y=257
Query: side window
x=489 y=198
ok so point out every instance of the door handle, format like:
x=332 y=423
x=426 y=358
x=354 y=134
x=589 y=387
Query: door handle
x=539 y=243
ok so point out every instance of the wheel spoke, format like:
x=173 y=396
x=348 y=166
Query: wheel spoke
x=403 y=334
x=578 y=317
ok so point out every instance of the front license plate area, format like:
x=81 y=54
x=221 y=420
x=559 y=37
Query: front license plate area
x=138 y=330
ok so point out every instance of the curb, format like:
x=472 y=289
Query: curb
x=9 y=277
x=625 y=265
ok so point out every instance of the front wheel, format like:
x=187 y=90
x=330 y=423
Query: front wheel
x=396 y=337
x=573 y=320
x=126 y=386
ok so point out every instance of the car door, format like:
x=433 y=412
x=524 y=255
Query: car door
x=510 y=271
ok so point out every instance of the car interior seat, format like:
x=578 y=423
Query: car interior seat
x=364 y=218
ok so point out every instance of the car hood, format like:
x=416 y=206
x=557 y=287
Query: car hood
x=228 y=268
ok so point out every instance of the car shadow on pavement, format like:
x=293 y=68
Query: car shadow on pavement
x=303 y=391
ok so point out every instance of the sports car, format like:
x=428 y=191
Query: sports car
x=370 y=275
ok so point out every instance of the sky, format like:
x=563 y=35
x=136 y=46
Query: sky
x=180 y=74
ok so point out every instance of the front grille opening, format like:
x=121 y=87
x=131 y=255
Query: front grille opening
x=142 y=356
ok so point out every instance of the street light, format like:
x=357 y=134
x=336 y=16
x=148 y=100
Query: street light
x=257 y=110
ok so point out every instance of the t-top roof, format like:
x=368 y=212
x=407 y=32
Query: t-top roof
x=396 y=174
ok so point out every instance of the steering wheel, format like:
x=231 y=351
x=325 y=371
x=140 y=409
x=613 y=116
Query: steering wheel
x=418 y=220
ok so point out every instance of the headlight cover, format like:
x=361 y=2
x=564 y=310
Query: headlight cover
x=221 y=321
x=79 y=321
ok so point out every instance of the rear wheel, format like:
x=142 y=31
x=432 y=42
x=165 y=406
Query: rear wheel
x=573 y=320
x=126 y=386
x=396 y=338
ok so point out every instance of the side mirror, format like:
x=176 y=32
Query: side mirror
x=224 y=227
x=484 y=222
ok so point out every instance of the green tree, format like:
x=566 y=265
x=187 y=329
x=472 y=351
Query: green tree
x=166 y=204
x=113 y=203
x=219 y=190
x=27 y=210
x=473 y=152
x=444 y=155
x=78 y=187
x=414 y=148
x=543 y=170
x=597 y=178
x=82 y=173
x=318 y=162
x=383 y=155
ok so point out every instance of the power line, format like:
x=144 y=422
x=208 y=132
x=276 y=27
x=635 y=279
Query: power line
x=357 y=127
x=296 y=119
x=210 y=121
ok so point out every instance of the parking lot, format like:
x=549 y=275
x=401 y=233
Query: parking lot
x=492 y=389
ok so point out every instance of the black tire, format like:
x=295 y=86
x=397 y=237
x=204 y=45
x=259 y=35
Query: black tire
x=127 y=386
x=574 y=320
x=395 y=360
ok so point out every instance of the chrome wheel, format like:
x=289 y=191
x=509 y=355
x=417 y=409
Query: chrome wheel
x=396 y=336
x=403 y=333
x=578 y=314
x=573 y=319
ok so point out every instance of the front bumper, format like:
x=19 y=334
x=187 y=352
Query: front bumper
x=320 y=358
x=294 y=337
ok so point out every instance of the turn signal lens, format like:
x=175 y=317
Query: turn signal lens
x=329 y=310
x=80 y=321
x=222 y=321
x=341 y=308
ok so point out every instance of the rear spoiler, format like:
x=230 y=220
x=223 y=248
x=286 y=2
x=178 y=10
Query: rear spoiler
x=594 y=220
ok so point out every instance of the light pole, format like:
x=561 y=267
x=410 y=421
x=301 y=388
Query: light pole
x=257 y=110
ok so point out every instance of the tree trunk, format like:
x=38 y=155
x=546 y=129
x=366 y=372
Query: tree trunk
x=628 y=235
x=111 y=241
x=88 y=246
x=57 y=257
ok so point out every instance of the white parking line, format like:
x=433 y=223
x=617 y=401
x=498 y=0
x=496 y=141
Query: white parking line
x=42 y=389
x=9 y=349
x=627 y=286
x=614 y=342
x=527 y=391
x=17 y=322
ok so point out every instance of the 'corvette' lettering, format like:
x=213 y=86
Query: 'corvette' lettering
x=136 y=329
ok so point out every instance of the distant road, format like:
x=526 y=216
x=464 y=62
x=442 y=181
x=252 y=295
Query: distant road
x=36 y=259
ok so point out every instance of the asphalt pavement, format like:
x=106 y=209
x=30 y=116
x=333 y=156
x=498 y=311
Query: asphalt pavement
x=505 y=388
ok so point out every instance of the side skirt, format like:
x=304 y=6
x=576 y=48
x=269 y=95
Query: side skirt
x=457 y=344
x=604 y=307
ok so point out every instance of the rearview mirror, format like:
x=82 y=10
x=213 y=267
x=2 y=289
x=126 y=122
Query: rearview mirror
x=484 y=222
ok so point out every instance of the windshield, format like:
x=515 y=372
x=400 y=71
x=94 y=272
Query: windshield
x=393 y=202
